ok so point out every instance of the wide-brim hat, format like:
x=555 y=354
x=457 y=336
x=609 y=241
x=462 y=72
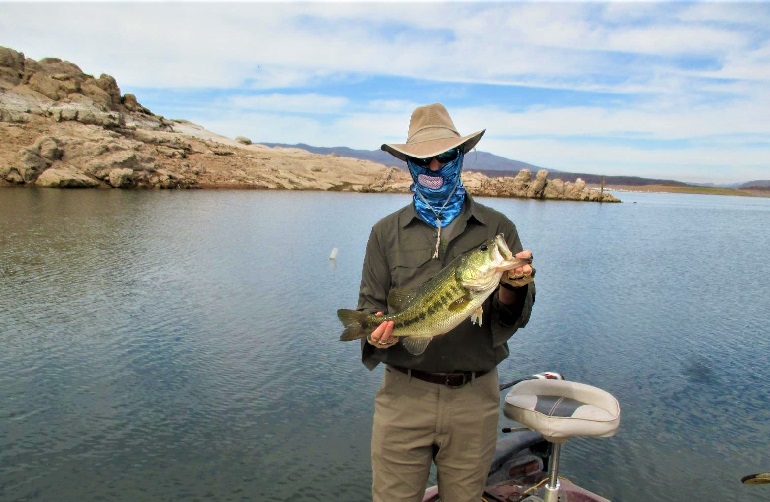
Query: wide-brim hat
x=431 y=132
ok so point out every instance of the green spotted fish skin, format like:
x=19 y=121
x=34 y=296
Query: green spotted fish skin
x=446 y=300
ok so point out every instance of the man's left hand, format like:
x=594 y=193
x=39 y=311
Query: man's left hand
x=520 y=276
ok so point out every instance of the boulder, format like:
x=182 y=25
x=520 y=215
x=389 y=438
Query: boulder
x=33 y=160
x=536 y=188
x=576 y=190
x=521 y=182
x=97 y=95
x=121 y=178
x=166 y=179
x=554 y=189
x=101 y=119
x=54 y=86
x=103 y=165
x=64 y=113
x=48 y=148
x=30 y=164
x=132 y=105
x=11 y=67
x=110 y=86
x=65 y=178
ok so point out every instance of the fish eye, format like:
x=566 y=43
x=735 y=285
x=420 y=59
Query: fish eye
x=483 y=247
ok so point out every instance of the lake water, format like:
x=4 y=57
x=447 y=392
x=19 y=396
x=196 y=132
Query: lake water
x=183 y=345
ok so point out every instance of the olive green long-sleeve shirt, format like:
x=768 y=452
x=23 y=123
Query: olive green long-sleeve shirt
x=399 y=254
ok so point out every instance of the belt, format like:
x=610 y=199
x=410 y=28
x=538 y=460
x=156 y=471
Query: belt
x=451 y=380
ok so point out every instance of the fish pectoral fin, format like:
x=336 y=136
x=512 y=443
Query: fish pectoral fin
x=459 y=304
x=415 y=345
x=476 y=317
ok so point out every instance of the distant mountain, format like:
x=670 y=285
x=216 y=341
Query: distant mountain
x=484 y=163
x=475 y=161
x=756 y=184
x=373 y=155
x=742 y=185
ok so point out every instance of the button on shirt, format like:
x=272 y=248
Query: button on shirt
x=399 y=254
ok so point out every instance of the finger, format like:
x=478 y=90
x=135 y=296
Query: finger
x=524 y=255
x=387 y=334
x=521 y=271
x=379 y=331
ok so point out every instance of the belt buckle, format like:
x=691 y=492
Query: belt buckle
x=449 y=377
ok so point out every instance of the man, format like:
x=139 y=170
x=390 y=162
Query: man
x=441 y=405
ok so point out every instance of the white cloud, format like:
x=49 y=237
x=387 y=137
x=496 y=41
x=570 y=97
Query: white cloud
x=287 y=103
x=694 y=75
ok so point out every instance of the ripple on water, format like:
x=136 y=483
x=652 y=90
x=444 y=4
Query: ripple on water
x=159 y=347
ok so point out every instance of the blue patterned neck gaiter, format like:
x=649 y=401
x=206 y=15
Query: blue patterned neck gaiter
x=439 y=195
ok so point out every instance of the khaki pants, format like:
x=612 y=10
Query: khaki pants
x=411 y=416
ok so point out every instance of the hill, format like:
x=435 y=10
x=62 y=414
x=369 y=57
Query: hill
x=755 y=185
x=487 y=164
x=62 y=128
x=477 y=161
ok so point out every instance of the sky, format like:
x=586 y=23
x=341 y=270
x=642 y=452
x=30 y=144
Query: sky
x=672 y=90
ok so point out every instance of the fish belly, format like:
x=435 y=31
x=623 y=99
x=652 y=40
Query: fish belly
x=432 y=321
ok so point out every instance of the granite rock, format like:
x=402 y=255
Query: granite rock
x=60 y=127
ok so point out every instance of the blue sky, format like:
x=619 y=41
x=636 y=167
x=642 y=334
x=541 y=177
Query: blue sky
x=676 y=90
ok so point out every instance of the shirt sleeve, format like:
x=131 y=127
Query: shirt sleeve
x=507 y=319
x=373 y=293
x=375 y=277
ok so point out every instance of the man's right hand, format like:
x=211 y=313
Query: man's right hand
x=382 y=336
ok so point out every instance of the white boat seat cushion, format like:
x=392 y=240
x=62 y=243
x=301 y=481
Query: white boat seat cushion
x=560 y=409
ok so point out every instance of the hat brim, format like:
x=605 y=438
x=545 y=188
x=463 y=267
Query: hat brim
x=433 y=147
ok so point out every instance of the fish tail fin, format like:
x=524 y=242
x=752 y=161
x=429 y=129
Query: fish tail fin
x=354 y=322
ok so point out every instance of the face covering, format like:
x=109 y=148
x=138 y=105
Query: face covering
x=439 y=195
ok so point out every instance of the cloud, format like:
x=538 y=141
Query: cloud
x=288 y=103
x=666 y=86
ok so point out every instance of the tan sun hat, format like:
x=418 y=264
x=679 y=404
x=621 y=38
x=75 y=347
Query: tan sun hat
x=431 y=132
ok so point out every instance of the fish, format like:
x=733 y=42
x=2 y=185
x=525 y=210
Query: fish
x=443 y=302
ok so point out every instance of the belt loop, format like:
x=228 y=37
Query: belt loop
x=409 y=374
x=473 y=377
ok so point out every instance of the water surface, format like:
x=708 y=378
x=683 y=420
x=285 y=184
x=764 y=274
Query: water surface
x=183 y=345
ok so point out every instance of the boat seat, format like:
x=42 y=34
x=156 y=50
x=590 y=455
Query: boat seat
x=560 y=409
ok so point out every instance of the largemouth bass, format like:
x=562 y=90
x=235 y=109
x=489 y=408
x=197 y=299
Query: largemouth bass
x=451 y=296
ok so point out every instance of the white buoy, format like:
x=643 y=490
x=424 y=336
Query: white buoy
x=333 y=256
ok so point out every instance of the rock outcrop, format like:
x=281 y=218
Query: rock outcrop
x=60 y=127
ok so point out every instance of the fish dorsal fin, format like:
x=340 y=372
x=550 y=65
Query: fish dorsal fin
x=400 y=298
x=415 y=345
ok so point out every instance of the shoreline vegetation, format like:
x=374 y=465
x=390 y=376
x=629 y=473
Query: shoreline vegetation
x=62 y=128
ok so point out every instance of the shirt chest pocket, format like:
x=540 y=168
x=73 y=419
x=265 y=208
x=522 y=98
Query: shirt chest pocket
x=411 y=268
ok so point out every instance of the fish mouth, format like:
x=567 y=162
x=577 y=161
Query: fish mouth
x=501 y=248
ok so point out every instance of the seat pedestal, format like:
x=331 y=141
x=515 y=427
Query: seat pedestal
x=559 y=410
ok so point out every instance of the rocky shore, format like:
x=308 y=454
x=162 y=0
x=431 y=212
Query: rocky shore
x=62 y=128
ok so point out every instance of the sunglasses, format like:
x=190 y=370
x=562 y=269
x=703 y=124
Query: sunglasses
x=442 y=158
